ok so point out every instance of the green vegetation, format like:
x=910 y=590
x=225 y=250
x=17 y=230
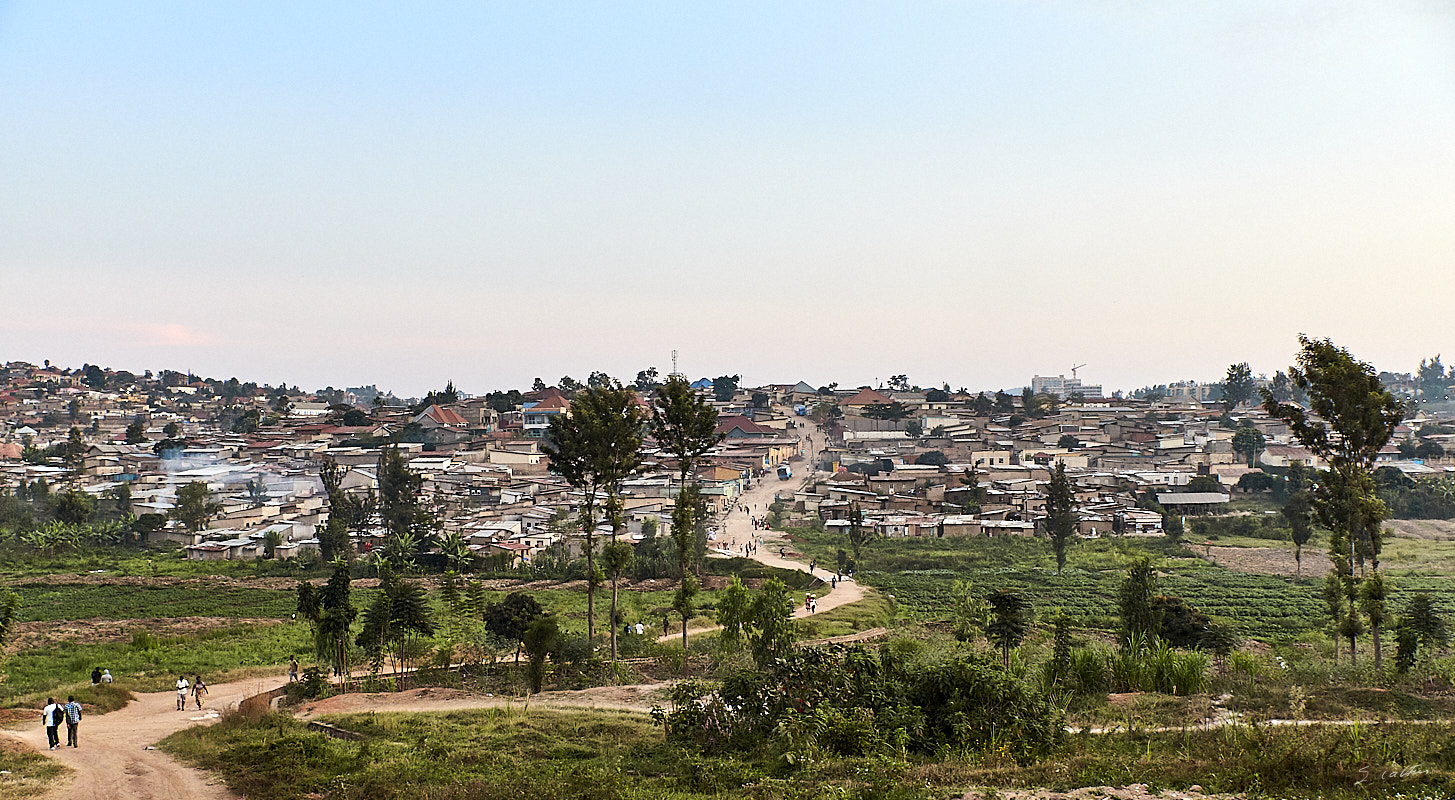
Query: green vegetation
x=921 y=572
x=25 y=772
x=149 y=663
x=69 y=601
x=508 y=753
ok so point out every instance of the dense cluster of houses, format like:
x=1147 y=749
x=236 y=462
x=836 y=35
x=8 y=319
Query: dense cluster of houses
x=938 y=463
x=484 y=472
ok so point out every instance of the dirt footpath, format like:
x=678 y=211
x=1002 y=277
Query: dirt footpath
x=113 y=761
x=637 y=698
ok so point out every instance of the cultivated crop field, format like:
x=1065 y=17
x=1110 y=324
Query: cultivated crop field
x=921 y=573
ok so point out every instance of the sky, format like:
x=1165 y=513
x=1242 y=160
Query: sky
x=964 y=192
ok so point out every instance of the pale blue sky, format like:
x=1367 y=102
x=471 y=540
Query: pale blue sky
x=965 y=192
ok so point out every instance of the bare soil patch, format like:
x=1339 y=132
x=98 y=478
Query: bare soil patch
x=101 y=631
x=1267 y=560
x=639 y=698
x=1432 y=529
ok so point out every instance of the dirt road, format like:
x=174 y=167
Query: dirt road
x=735 y=529
x=113 y=762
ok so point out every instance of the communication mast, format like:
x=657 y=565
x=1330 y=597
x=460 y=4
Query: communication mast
x=675 y=373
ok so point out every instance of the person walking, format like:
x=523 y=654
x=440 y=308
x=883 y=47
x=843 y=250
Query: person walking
x=182 y=687
x=292 y=668
x=52 y=715
x=198 y=689
x=73 y=720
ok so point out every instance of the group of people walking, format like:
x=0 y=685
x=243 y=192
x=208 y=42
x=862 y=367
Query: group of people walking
x=54 y=714
x=196 y=688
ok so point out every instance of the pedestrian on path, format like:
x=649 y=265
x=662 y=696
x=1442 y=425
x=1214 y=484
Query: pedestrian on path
x=182 y=687
x=73 y=720
x=52 y=715
x=198 y=689
x=292 y=668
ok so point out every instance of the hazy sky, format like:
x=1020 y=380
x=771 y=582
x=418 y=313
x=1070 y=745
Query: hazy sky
x=964 y=192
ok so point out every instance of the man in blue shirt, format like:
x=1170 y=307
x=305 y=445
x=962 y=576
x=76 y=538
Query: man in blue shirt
x=73 y=720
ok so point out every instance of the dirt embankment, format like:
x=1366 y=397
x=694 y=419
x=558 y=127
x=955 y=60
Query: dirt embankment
x=638 y=698
x=102 y=631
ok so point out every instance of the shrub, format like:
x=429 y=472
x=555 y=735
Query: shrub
x=1089 y=672
x=854 y=701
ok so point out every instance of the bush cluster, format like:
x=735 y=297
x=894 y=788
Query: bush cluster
x=857 y=702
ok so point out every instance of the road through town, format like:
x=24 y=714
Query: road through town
x=735 y=529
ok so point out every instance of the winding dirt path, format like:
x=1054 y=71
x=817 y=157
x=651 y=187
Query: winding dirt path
x=735 y=529
x=113 y=761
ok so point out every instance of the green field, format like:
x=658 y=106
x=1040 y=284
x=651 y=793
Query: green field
x=50 y=601
x=920 y=573
x=487 y=754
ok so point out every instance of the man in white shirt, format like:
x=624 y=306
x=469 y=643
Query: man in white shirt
x=52 y=715
x=182 y=687
x=106 y=676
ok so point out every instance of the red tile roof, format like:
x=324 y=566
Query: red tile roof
x=743 y=424
x=867 y=397
x=445 y=416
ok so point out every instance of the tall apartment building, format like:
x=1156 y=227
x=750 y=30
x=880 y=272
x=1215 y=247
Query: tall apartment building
x=1063 y=387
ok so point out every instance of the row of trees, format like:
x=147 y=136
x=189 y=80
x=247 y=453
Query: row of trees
x=597 y=447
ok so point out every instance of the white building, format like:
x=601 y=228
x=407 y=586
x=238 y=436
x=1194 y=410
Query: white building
x=1063 y=387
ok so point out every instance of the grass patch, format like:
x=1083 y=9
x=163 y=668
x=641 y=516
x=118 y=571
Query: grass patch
x=874 y=611
x=1374 y=760
x=153 y=664
x=467 y=754
x=163 y=561
x=504 y=753
x=28 y=773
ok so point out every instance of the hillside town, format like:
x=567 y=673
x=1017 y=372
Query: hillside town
x=911 y=461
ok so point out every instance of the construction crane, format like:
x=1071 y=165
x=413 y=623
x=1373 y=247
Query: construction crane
x=1074 y=368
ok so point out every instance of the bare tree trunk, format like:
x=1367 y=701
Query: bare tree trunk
x=588 y=528
x=1378 y=657
x=613 y=617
